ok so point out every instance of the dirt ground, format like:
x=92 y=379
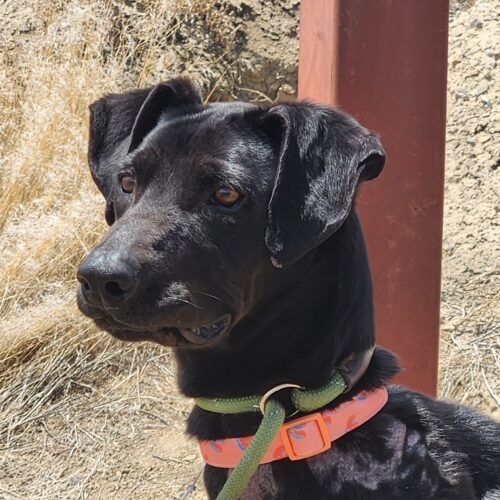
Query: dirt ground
x=104 y=419
x=470 y=307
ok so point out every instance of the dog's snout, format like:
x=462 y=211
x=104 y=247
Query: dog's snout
x=106 y=279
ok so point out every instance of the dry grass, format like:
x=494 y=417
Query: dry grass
x=68 y=394
x=470 y=356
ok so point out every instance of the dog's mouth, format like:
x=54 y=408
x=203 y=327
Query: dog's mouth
x=208 y=333
x=166 y=335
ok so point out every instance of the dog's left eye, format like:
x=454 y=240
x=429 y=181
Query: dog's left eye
x=127 y=183
x=227 y=196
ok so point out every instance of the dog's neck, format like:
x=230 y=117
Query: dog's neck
x=322 y=312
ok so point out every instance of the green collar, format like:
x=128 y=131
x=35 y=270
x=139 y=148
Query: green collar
x=347 y=374
x=304 y=400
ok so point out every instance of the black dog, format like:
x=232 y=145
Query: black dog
x=234 y=241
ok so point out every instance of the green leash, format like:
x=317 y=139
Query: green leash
x=304 y=400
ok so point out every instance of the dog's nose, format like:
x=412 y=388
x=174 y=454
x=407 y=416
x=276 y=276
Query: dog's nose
x=106 y=279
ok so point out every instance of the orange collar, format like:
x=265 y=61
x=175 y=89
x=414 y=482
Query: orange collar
x=302 y=437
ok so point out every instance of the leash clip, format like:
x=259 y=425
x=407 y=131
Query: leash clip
x=274 y=390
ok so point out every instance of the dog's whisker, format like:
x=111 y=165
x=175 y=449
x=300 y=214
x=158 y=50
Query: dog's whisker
x=207 y=294
x=189 y=303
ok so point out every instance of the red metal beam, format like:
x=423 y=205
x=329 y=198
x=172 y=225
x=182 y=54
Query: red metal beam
x=385 y=62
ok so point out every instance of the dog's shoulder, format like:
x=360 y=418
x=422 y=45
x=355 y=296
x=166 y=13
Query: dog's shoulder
x=415 y=447
x=462 y=441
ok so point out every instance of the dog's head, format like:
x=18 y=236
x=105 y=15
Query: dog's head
x=209 y=206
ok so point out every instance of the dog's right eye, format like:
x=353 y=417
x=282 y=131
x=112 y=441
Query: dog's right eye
x=127 y=183
x=227 y=196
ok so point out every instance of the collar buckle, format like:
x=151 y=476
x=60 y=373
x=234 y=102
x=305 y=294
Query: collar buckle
x=305 y=437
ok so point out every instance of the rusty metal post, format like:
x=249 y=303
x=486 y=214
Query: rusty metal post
x=385 y=62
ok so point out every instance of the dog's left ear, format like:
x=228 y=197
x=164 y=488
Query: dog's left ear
x=323 y=155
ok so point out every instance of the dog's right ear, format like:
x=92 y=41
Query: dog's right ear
x=120 y=122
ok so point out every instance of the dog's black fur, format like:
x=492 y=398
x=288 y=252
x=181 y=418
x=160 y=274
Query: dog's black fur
x=274 y=289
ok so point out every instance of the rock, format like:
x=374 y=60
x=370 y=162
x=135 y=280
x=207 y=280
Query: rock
x=467 y=182
x=472 y=72
x=486 y=102
x=482 y=88
x=491 y=53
